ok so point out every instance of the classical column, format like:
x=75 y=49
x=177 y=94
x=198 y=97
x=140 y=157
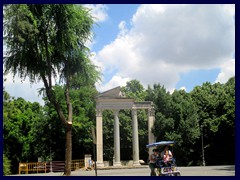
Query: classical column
x=151 y=119
x=116 y=139
x=99 y=137
x=135 y=138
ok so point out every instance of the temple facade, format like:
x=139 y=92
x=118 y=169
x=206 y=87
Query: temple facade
x=115 y=100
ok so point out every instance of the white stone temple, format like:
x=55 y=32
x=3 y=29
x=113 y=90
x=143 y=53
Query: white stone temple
x=115 y=100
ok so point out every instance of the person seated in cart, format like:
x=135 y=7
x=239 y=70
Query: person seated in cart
x=167 y=156
x=162 y=169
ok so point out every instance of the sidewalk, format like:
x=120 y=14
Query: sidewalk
x=223 y=170
x=121 y=167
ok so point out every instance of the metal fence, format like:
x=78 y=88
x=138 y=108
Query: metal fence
x=44 y=167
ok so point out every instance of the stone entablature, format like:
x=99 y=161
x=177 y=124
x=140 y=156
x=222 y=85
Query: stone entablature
x=121 y=103
x=114 y=103
x=143 y=105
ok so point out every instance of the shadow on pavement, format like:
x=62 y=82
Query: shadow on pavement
x=228 y=168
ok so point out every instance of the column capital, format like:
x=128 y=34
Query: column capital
x=99 y=112
x=151 y=112
x=134 y=112
x=116 y=112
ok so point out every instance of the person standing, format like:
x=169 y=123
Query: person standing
x=152 y=162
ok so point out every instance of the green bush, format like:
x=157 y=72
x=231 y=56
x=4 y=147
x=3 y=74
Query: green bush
x=6 y=165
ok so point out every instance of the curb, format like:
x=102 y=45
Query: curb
x=121 y=167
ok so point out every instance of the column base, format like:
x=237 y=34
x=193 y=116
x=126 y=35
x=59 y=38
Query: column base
x=136 y=163
x=100 y=164
x=117 y=164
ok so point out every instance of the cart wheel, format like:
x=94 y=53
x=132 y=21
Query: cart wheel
x=177 y=174
x=157 y=172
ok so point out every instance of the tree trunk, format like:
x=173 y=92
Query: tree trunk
x=68 y=123
x=68 y=152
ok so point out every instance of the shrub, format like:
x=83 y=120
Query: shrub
x=6 y=165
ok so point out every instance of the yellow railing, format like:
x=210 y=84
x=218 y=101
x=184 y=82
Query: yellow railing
x=36 y=167
x=77 y=164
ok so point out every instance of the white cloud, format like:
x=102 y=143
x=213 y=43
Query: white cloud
x=166 y=40
x=229 y=8
x=122 y=28
x=18 y=88
x=227 y=71
x=114 y=82
x=122 y=25
x=98 y=11
x=183 y=88
x=174 y=89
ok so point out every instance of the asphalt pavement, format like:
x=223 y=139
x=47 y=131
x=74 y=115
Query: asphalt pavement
x=227 y=170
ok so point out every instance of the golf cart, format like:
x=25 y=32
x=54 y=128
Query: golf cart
x=162 y=168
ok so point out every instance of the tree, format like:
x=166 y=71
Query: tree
x=108 y=131
x=20 y=120
x=176 y=119
x=216 y=111
x=186 y=130
x=134 y=89
x=160 y=97
x=83 y=120
x=6 y=165
x=47 y=40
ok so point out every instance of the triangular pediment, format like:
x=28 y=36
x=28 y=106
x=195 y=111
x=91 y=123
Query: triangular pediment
x=112 y=93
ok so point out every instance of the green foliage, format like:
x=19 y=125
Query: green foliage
x=160 y=97
x=135 y=90
x=6 y=165
x=108 y=144
x=47 y=40
x=176 y=119
x=216 y=111
x=19 y=135
x=39 y=37
x=83 y=120
x=179 y=117
x=31 y=131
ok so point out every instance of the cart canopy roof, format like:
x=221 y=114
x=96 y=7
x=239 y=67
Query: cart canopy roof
x=160 y=143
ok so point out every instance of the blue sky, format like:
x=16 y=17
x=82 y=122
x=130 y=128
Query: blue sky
x=108 y=30
x=178 y=46
x=196 y=44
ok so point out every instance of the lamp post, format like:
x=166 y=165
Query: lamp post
x=50 y=128
x=94 y=150
x=203 y=158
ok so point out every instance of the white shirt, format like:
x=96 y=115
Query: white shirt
x=153 y=158
x=169 y=153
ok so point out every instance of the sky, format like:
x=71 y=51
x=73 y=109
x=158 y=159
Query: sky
x=178 y=46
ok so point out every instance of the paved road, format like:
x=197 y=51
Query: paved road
x=144 y=171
